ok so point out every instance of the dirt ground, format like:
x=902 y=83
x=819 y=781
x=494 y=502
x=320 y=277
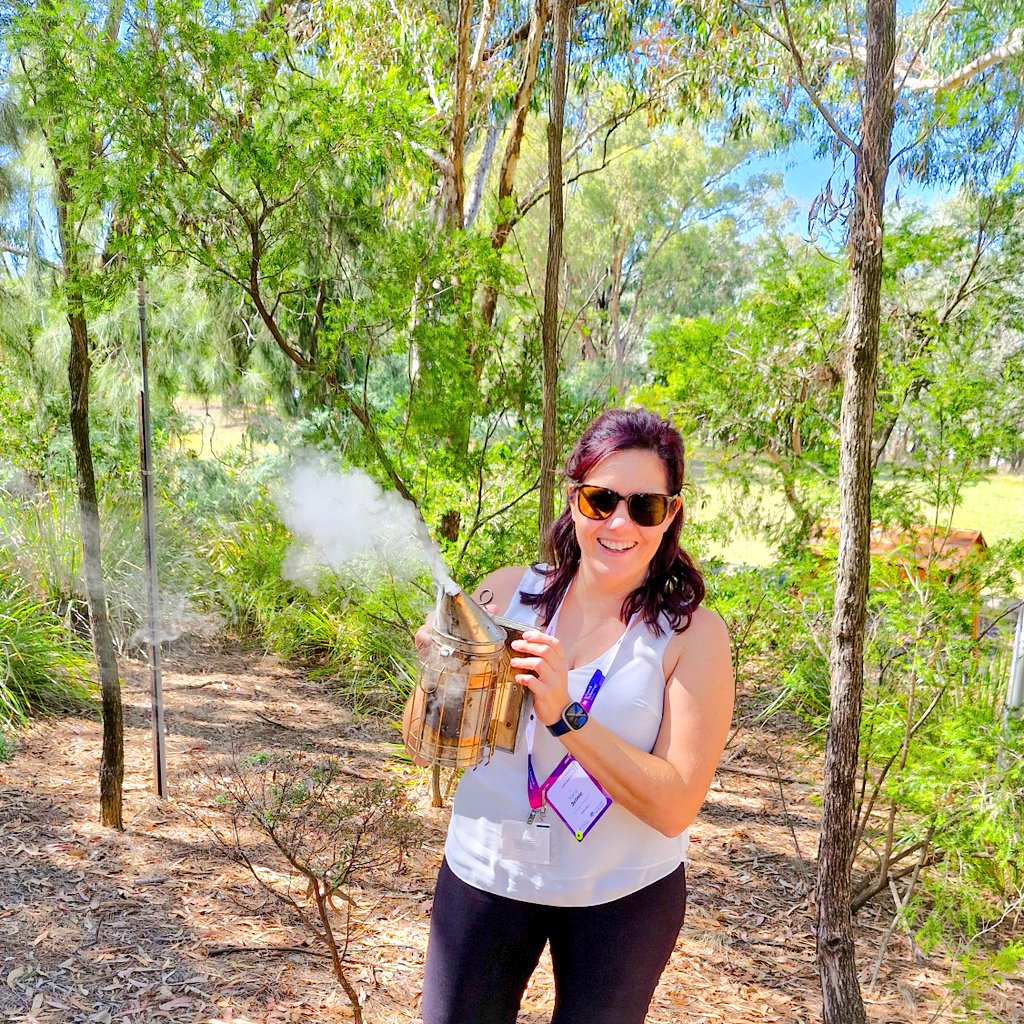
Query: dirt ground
x=158 y=924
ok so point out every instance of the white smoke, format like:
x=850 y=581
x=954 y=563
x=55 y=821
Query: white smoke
x=175 y=619
x=343 y=521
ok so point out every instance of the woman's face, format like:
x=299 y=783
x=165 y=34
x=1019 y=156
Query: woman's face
x=615 y=549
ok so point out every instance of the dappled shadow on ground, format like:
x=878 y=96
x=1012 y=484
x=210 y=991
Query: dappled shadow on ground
x=159 y=922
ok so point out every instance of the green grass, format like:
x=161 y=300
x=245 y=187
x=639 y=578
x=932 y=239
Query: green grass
x=994 y=506
x=43 y=667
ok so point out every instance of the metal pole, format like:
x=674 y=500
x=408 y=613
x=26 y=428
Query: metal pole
x=159 y=755
x=1015 y=691
x=1015 y=688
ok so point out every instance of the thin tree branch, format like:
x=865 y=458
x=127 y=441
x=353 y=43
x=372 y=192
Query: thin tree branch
x=788 y=43
x=25 y=254
x=1012 y=47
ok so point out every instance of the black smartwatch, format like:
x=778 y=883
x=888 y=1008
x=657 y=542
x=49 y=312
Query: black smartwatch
x=573 y=717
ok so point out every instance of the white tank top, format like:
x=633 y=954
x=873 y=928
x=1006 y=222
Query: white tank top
x=621 y=854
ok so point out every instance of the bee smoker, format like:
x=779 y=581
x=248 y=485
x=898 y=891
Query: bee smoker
x=467 y=704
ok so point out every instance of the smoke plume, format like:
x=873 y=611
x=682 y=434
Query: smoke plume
x=343 y=521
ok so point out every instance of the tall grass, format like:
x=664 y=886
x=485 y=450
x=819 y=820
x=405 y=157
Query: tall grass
x=43 y=667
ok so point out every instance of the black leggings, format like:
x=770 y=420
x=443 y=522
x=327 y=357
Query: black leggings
x=607 y=959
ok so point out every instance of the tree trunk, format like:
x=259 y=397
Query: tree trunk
x=842 y=1003
x=112 y=759
x=510 y=161
x=549 y=323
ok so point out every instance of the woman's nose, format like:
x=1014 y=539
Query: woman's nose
x=620 y=514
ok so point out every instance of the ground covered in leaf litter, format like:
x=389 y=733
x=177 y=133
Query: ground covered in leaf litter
x=158 y=924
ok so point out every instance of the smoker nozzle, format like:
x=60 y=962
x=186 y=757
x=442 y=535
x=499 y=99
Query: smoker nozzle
x=459 y=616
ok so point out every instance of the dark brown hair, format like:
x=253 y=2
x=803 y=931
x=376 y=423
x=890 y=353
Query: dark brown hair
x=674 y=586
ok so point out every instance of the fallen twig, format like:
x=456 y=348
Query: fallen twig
x=274 y=721
x=754 y=773
x=304 y=950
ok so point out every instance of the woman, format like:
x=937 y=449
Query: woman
x=579 y=837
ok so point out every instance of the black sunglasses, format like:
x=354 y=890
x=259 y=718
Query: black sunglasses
x=644 y=509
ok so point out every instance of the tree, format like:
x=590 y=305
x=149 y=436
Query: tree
x=550 y=320
x=65 y=101
x=836 y=958
x=848 y=80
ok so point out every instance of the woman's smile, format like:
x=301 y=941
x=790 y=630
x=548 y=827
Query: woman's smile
x=616 y=546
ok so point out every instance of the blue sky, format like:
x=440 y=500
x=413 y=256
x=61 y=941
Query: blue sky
x=805 y=175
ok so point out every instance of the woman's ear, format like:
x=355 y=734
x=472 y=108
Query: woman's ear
x=678 y=510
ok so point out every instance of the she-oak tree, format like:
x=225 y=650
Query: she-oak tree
x=63 y=55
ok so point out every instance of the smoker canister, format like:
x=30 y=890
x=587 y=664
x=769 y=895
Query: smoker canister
x=460 y=676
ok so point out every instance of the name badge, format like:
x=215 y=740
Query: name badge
x=526 y=843
x=576 y=797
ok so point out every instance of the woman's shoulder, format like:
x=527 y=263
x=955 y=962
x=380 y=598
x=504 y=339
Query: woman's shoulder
x=705 y=640
x=502 y=583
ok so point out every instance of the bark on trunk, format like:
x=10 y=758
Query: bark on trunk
x=842 y=1003
x=455 y=187
x=510 y=161
x=549 y=324
x=112 y=758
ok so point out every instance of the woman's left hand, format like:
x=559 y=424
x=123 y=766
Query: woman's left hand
x=541 y=667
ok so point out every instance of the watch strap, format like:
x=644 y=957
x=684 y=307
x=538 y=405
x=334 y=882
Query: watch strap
x=559 y=727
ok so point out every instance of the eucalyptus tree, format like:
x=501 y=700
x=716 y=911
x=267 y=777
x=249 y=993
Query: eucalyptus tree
x=838 y=70
x=488 y=67
x=655 y=235
x=62 y=57
x=561 y=18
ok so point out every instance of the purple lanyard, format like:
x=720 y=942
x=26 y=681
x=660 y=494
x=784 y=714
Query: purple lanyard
x=533 y=788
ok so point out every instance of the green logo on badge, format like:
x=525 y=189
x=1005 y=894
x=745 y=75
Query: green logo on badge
x=579 y=837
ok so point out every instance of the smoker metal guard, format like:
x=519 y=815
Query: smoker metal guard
x=467 y=703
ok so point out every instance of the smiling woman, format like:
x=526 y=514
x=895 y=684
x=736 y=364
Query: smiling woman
x=578 y=838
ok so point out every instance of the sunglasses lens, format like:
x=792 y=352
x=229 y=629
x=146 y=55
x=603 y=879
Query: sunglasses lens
x=596 y=502
x=644 y=509
x=648 y=509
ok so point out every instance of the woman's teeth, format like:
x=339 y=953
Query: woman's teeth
x=612 y=545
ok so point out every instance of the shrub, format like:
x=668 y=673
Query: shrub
x=941 y=785
x=42 y=666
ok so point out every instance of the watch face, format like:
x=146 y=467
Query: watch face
x=575 y=717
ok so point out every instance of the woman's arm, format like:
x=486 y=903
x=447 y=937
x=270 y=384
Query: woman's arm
x=666 y=787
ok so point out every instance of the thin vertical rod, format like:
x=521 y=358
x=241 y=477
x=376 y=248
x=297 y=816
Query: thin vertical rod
x=148 y=509
x=1015 y=690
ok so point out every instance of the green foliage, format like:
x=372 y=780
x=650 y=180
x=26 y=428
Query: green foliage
x=761 y=386
x=279 y=173
x=42 y=667
x=975 y=975
x=938 y=770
